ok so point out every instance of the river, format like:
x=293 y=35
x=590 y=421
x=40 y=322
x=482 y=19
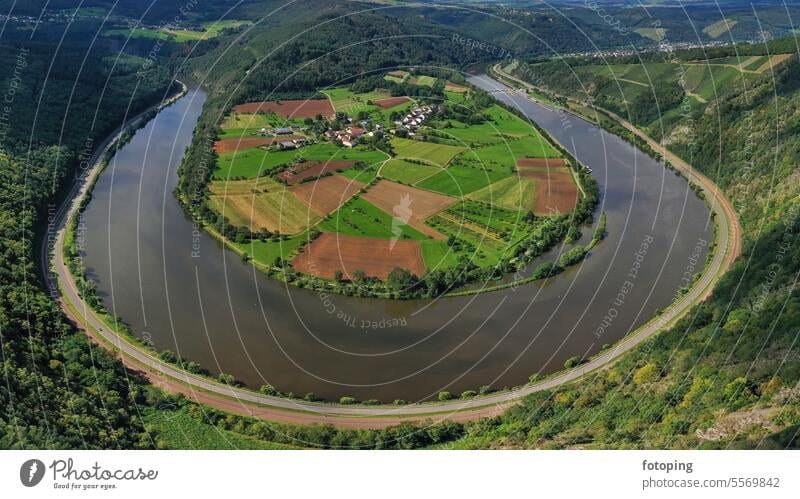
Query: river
x=177 y=287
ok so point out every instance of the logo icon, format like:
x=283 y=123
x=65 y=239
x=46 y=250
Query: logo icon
x=403 y=214
x=31 y=472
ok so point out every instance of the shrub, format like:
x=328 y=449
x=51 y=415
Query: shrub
x=646 y=374
x=573 y=362
x=468 y=394
x=347 y=400
x=445 y=396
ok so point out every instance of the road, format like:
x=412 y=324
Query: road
x=241 y=401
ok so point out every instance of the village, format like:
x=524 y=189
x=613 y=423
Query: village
x=350 y=135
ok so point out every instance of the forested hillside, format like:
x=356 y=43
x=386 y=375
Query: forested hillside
x=57 y=390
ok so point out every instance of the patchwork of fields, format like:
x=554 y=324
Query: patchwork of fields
x=457 y=190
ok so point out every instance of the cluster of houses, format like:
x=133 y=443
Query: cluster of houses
x=292 y=144
x=415 y=117
x=350 y=135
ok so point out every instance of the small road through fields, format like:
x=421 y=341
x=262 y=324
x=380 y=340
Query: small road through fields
x=237 y=400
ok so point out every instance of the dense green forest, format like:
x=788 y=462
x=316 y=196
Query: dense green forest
x=725 y=376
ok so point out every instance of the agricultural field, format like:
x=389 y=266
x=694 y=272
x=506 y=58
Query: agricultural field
x=555 y=189
x=340 y=252
x=277 y=211
x=299 y=108
x=328 y=193
x=253 y=162
x=267 y=252
x=437 y=255
x=359 y=217
x=512 y=193
x=412 y=205
x=406 y=172
x=432 y=204
x=346 y=101
x=459 y=180
x=429 y=152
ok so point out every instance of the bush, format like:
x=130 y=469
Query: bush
x=468 y=394
x=646 y=374
x=445 y=396
x=573 y=362
x=347 y=400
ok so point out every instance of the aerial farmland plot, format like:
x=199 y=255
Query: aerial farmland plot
x=346 y=200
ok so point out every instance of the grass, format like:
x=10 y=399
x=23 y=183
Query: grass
x=179 y=430
x=512 y=193
x=480 y=249
x=501 y=124
x=459 y=180
x=424 y=80
x=358 y=217
x=266 y=252
x=437 y=255
x=430 y=152
x=406 y=172
x=364 y=176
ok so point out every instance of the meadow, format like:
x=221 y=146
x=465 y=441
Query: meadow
x=358 y=217
x=430 y=152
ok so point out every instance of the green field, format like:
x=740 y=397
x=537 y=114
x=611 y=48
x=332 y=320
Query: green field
x=248 y=163
x=267 y=252
x=406 y=172
x=438 y=255
x=512 y=193
x=500 y=124
x=459 y=180
x=358 y=217
x=430 y=152
x=364 y=176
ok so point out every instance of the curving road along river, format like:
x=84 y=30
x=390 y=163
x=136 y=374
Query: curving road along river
x=279 y=409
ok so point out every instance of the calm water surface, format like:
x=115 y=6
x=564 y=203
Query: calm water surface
x=180 y=288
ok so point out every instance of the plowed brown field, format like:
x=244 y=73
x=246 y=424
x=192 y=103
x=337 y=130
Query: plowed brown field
x=328 y=193
x=376 y=257
x=391 y=102
x=555 y=189
x=228 y=145
x=289 y=108
x=537 y=162
x=409 y=204
x=307 y=169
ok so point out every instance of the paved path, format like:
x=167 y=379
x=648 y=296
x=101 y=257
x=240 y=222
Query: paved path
x=247 y=402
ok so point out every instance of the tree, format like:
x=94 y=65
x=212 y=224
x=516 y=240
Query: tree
x=445 y=396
